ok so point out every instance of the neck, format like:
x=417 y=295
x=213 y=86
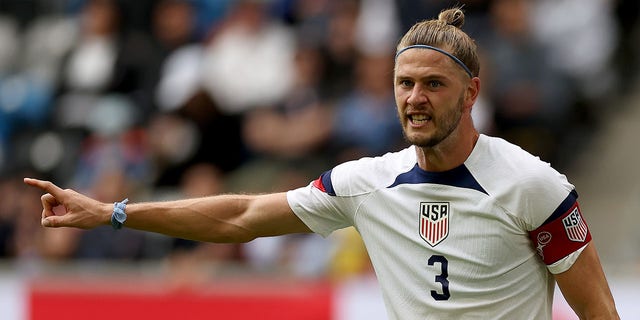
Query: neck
x=448 y=154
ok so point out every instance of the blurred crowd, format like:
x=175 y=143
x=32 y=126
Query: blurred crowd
x=166 y=99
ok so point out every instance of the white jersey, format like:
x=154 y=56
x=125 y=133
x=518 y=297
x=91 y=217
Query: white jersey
x=454 y=244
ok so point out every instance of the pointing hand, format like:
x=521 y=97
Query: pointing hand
x=78 y=211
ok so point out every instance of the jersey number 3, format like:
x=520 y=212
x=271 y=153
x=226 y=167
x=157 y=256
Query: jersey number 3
x=441 y=278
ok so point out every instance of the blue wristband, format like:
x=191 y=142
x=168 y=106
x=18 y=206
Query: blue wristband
x=118 y=216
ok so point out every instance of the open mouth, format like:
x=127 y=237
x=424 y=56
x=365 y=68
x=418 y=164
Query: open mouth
x=419 y=119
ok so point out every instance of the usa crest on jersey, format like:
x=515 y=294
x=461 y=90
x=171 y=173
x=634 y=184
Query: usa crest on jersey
x=434 y=221
x=575 y=226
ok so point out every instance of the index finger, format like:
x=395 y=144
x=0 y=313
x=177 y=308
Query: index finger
x=47 y=186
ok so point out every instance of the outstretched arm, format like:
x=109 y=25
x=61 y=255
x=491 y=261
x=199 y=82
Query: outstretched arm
x=223 y=218
x=585 y=287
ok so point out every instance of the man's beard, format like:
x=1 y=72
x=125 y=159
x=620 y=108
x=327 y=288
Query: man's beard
x=445 y=126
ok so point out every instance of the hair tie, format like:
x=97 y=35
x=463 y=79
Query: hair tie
x=118 y=217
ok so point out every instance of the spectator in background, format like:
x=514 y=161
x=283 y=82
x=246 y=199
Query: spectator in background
x=91 y=64
x=339 y=48
x=248 y=61
x=198 y=131
x=532 y=100
x=296 y=130
x=177 y=52
x=587 y=58
x=366 y=122
x=195 y=133
x=377 y=27
x=310 y=18
x=204 y=132
x=107 y=58
x=172 y=142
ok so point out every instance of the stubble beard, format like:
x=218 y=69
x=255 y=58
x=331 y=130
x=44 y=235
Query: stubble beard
x=444 y=127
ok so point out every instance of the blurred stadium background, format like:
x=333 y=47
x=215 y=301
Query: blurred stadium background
x=161 y=99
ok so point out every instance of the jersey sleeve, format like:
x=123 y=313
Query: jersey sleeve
x=331 y=202
x=319 y=207
x=562 y=237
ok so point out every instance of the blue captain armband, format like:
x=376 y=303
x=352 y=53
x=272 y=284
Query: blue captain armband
x=118 y=217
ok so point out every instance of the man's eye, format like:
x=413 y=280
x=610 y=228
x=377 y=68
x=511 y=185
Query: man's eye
x=406 y=83
x=435 y=83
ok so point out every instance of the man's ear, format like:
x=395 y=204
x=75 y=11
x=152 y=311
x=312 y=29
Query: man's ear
x=472 y=93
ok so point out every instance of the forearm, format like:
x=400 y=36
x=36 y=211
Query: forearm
x=225 y=218
x=211 y=219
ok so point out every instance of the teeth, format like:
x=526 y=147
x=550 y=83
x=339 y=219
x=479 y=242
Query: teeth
x=420 y=118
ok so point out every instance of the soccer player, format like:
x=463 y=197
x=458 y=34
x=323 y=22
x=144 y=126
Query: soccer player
x=459 y=225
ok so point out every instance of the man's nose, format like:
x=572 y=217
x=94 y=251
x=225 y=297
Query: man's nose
x=418 y=95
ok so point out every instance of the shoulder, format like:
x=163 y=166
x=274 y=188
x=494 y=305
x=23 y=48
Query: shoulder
x=365 y=175
x=499 y=160
x=517 y=179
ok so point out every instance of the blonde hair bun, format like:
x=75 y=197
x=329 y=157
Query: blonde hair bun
x=453 y=16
